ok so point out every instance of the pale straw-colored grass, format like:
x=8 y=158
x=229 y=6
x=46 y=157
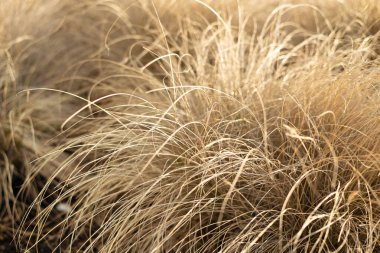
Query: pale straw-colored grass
x=193 y=126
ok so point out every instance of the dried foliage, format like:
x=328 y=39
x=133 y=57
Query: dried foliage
x=190 y=126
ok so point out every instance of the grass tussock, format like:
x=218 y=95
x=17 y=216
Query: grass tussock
x=190 y=126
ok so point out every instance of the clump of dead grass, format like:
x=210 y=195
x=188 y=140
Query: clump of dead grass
x=227 y=130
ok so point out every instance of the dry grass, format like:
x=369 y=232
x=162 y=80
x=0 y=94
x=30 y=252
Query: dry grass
x=190 y=126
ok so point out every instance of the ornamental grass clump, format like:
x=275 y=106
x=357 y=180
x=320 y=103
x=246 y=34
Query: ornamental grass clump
x=191 y=126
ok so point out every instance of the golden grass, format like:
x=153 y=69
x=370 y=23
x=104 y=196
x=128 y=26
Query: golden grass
x=191 y=126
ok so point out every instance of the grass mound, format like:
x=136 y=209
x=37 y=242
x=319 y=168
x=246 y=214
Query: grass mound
x=190 y=126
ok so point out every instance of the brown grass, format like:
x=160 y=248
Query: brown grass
x=190 y=126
